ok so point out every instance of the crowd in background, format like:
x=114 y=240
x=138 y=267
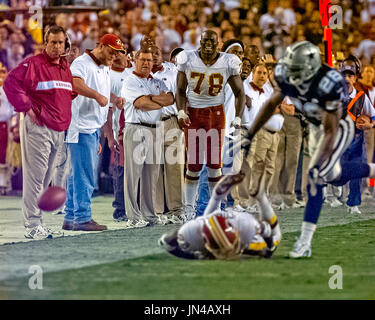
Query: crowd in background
x=269 y=25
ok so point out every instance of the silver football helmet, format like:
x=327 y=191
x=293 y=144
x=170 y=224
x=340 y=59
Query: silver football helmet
x=303 y=61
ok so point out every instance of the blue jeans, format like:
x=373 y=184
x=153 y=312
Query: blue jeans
x=203 y=192
x=82 y=178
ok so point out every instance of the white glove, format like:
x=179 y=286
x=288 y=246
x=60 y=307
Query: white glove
x=236 y=122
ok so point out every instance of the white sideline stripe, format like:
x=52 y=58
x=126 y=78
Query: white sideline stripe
x=48 y=85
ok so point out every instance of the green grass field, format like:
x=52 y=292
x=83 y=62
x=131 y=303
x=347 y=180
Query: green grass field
x=157 y=275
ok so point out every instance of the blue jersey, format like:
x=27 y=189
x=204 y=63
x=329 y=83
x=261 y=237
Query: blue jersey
x=328 y=91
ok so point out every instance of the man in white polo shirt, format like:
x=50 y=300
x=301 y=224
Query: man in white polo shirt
x=267 y=139
x=89 y=113
x=145 y=97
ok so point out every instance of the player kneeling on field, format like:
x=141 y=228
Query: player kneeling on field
x=225 y=235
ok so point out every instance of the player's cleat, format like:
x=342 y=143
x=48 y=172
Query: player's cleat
x=226 y=183
x=301 y=250
x=130 y=224
x=165 y=241
x=335 y=203
x=42 y=232
x=354 y=210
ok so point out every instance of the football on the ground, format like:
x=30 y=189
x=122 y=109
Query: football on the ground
x=52 y=199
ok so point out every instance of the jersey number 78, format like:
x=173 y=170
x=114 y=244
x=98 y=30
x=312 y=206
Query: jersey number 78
x=215 y=82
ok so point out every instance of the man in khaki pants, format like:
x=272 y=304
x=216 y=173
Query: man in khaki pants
x=145 y=97
x=290 y=140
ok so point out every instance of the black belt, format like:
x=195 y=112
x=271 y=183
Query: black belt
x=150 y=125
x=270 y=131
x=168 y=117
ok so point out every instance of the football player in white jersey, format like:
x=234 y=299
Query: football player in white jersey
x=225 y=234
x=320 y=94
x=202 y=76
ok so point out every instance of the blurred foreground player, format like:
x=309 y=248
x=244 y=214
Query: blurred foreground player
x=41 y=87
x=319 y=93
x=226 y=234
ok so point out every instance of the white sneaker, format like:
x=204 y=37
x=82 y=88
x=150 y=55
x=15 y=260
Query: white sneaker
x=301 y=250
x=162 y=220
x=299 y=204
x=175 y=219
x=335 y=203
x=283 y=206
x=41 y=232
x=135 y=224
x=354 y=210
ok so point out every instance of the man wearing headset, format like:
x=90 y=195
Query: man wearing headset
x=41 y=87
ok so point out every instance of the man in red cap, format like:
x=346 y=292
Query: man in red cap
x=92 y=82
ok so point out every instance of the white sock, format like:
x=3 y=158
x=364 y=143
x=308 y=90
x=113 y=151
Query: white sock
x=307 y=231
x=372 y=170
x=191 y=190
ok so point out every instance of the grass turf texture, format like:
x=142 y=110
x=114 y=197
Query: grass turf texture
x=163 y=277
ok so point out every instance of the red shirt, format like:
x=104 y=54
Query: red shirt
x=44 y=86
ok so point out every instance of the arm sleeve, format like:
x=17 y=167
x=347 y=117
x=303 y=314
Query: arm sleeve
x=16 y=87
x=235 y=65
x=181 y=60
x=368 y=109
x=79 y=69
